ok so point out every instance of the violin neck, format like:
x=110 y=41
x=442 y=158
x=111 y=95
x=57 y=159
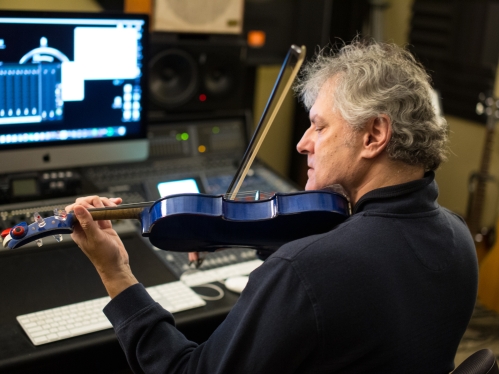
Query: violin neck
x=125 y=211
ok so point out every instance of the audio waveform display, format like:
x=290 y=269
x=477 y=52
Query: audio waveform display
x=30 y=93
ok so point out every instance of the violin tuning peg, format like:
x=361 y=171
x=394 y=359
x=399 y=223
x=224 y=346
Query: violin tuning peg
x=60 y=214
x=58 y=238
x=38 y=219
x=39 y=242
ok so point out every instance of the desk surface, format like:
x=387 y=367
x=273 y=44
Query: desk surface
x=34 y=279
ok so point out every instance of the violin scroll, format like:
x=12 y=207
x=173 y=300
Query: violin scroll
x=23 y=233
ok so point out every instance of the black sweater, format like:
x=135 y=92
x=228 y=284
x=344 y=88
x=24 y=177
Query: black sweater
x=390 y=290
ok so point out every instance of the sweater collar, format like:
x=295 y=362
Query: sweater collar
x=411 y=197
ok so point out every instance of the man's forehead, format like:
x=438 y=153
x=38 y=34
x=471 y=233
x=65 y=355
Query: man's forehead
x=324 y=101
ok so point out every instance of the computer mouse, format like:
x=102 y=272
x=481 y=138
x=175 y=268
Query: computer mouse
x=237 y=283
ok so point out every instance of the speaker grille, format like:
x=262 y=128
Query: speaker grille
x=173 y=77
x=199 y=16
x=198 y=11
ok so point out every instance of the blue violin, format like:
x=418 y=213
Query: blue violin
x=199 y=222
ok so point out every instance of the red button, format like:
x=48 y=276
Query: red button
x=17 y=232
x=5 y=233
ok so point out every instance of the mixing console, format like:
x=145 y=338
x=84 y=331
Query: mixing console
x=213 y=177
x=205 y=151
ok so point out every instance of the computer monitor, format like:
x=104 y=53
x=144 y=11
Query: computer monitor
x=72 y=89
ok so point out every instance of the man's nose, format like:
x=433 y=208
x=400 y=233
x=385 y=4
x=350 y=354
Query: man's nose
x=305 y=145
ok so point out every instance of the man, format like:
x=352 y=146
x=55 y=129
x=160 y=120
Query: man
x=390 y=290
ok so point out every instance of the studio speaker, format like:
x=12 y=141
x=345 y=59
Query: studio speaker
x=199 y=16
x=188 y=75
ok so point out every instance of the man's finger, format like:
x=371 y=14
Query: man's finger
x=105 y=224
x=94 y=202
x=97 y=201
x=112 y=201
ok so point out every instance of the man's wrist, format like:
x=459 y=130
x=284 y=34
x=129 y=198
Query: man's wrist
x=117 y=282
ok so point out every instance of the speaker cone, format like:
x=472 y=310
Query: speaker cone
x=173 y=78
x=218 y=81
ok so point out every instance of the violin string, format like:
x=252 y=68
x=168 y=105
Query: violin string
x=262 y=195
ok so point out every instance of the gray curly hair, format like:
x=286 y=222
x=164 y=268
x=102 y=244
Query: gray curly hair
x=377 y=78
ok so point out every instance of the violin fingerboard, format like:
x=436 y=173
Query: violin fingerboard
x=110 y=214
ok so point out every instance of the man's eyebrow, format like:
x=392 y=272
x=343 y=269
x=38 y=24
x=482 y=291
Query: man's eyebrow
x=318 y=120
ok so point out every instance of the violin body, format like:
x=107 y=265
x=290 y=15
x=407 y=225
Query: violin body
x=200 y=222
x=209 y=222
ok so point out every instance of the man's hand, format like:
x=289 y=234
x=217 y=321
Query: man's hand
x=102 y=245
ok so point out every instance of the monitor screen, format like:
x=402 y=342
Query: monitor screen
x=72 y=89
x=178 y=186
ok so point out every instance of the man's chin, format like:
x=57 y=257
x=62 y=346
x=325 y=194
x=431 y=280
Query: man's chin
x=310 y=186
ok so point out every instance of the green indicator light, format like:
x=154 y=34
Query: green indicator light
x=179 y=137
x=215 y=130
x=110 y=131
x=184 y=136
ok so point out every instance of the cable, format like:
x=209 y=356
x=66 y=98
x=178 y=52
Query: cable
x=220 y=295
x=221 y=292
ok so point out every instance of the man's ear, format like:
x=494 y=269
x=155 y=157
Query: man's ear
x=377 y=134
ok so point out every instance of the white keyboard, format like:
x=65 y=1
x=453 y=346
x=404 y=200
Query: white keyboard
x=219 y=274
x=85 y=317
